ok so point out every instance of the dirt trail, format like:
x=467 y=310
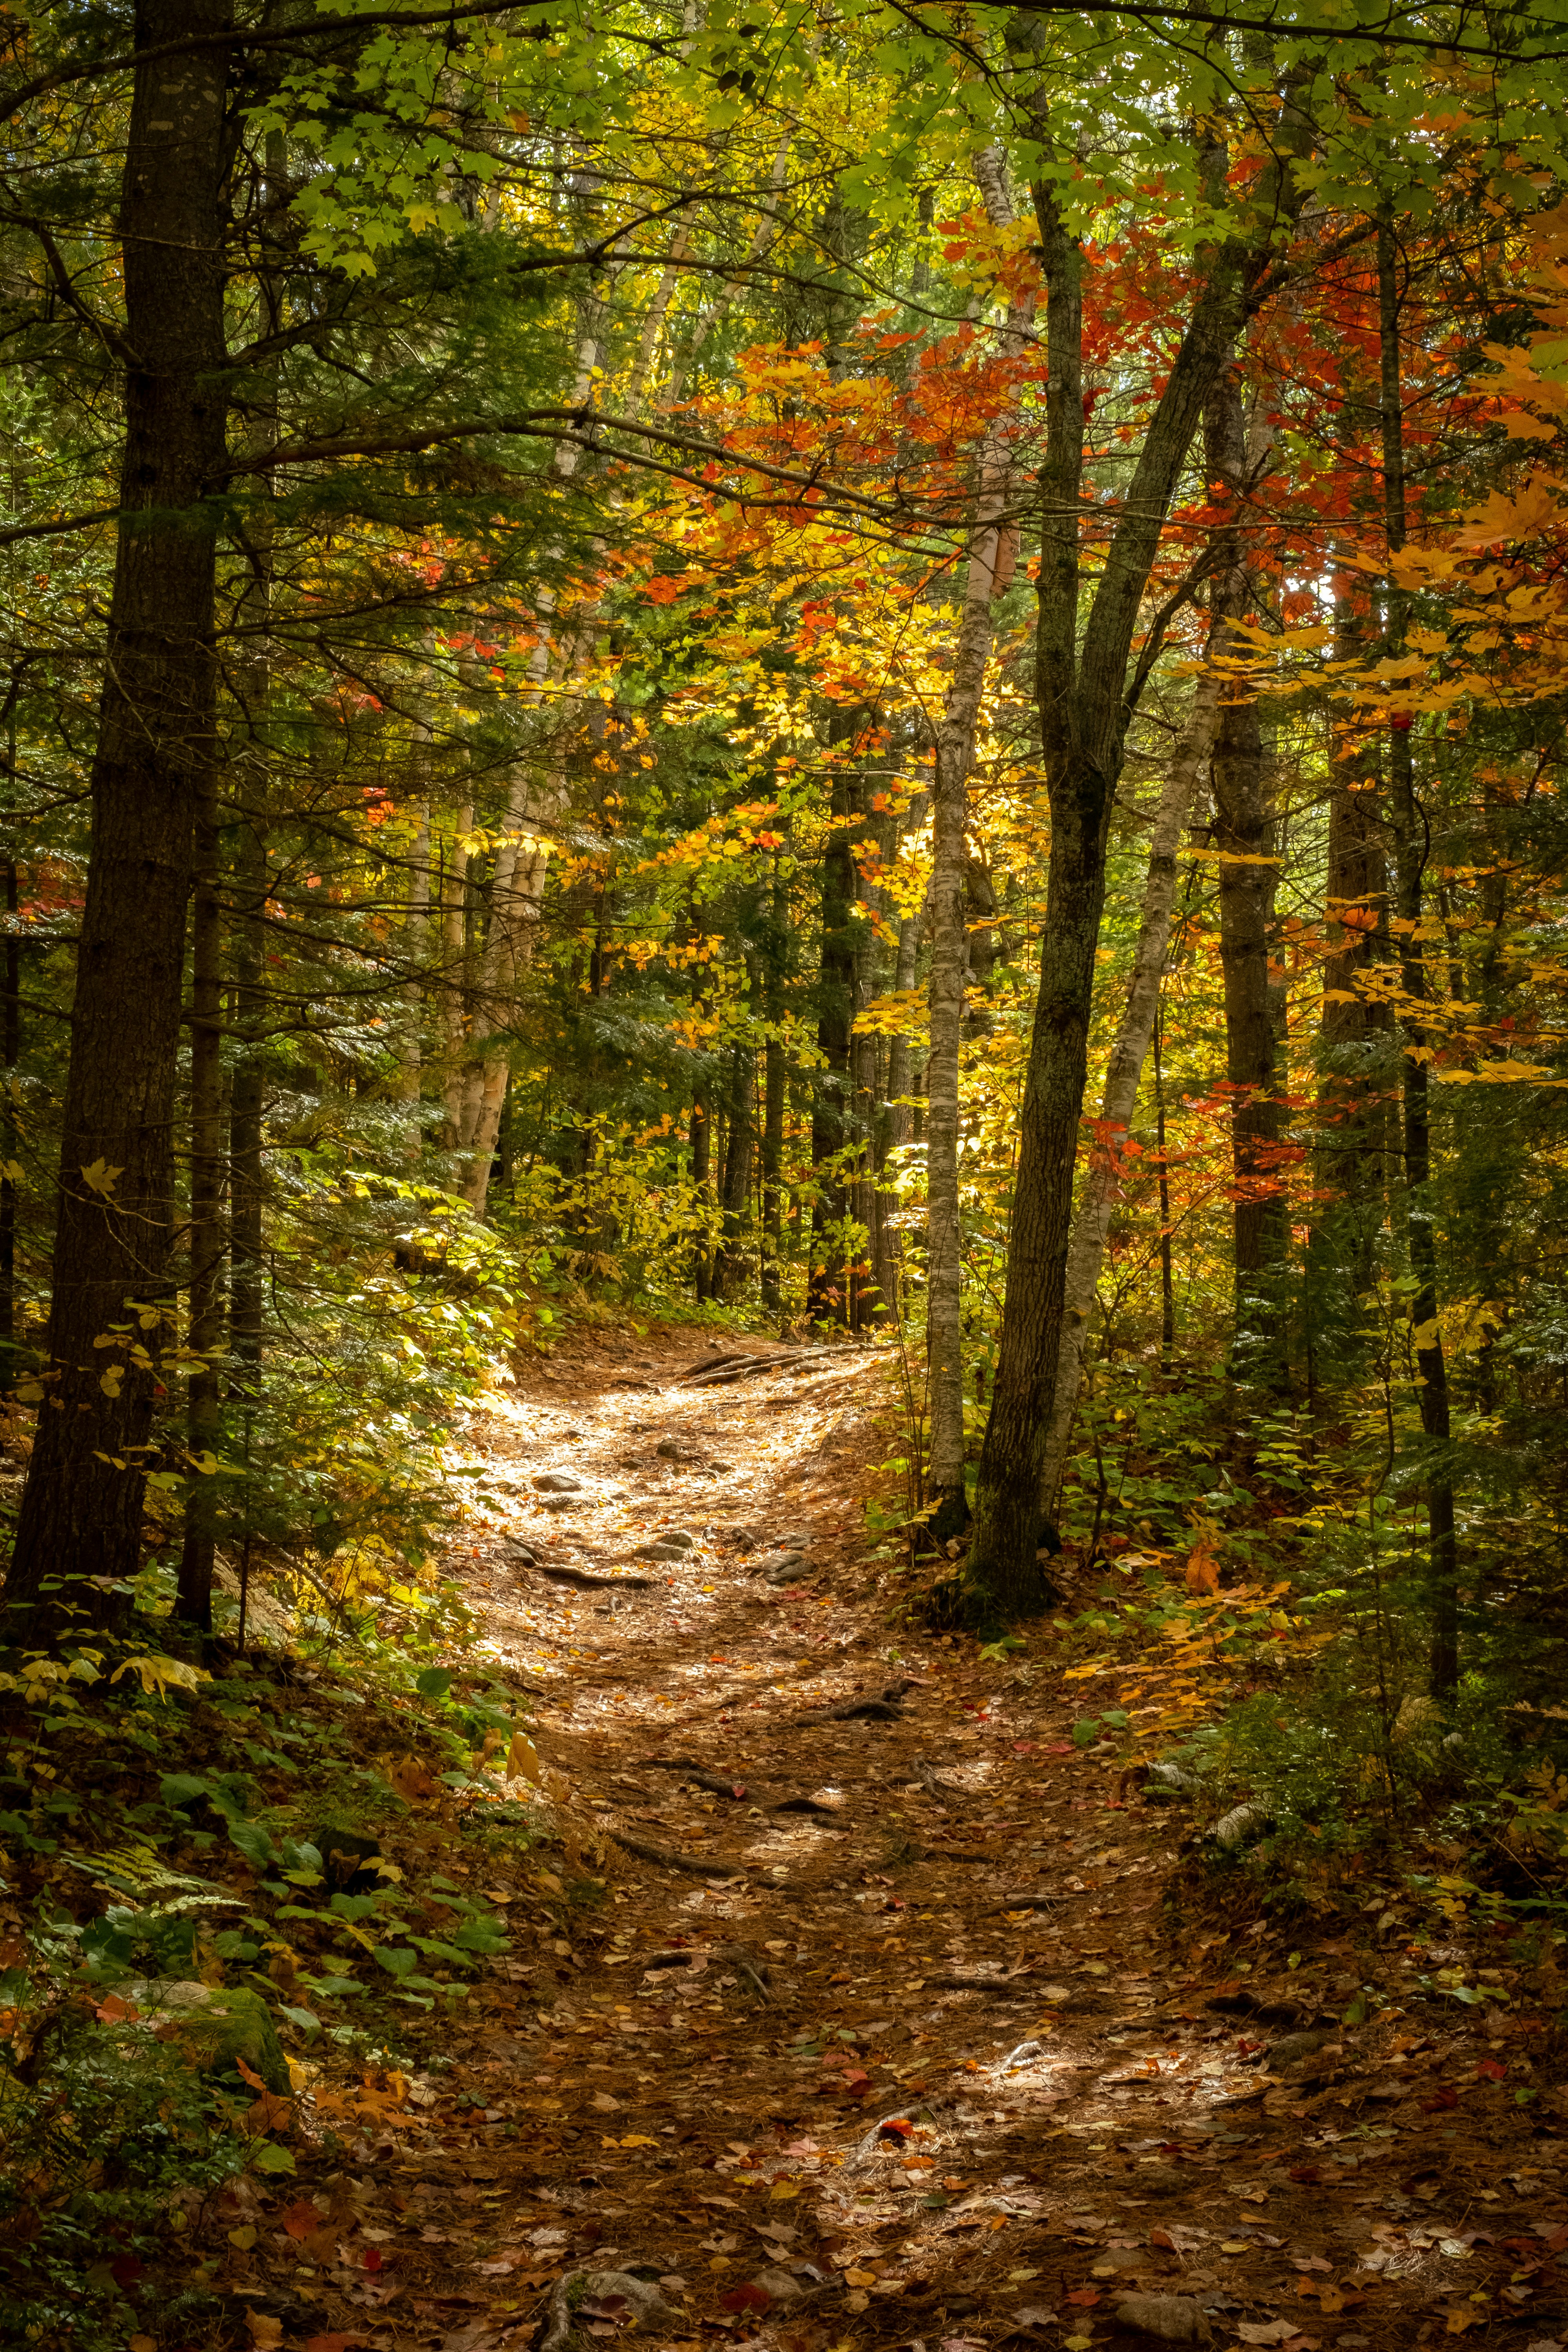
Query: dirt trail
x=890 y=2027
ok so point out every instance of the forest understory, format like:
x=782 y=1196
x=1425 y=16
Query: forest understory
x=844 y=1999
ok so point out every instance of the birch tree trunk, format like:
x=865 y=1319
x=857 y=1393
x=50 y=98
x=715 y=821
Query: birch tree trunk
x=1087 y=1248
x=989 y=567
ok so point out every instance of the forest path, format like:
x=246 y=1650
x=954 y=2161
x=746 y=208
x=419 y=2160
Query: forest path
x=863 y=2095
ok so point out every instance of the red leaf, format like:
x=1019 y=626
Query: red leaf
x=1163 y=2238
x=373 y=2257
x=115 y=2011
x=895 y=2127
x=1447 y=2096
x=1086 y=2295
x=1308 y=2173
x=750 y=2297
x=855 y=2082
x=1490 y=2072
x=125 y=2269
x=301 y=2219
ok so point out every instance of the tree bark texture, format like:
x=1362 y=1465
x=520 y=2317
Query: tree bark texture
x=1122 y=1077
x=78 y=1539
x=1431 y=1364
x=990 y=564
x=828 y=1293
x=1248 y=876
x=1085 y=698
x=207 y=1239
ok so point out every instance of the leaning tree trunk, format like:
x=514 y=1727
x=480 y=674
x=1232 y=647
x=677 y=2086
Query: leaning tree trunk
x=992 y=546
x=1085 y=696
x=1125 y=1072
x=79 y=1534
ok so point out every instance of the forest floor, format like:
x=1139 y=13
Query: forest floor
x=913 y=2027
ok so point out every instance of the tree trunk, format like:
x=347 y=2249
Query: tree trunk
x=454 y=971
x=1431 y=1365
x=1085 y=701
x=828 y=1297
x=1352 y=1116
x=1248 y=876
x=1123 y=1076
x=10 y=1055
x=735 y=1189
x=78 y=1539
x=193 y=1598
x=701 y=1163
x=990 y=566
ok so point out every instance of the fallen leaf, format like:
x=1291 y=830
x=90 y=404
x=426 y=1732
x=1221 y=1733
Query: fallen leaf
x=1490 y=2072
x=301 y=2219
x=750 y=2297
x=244 y=2237
x=1271 y=2331
x=1086 y=2295
x=264 y=2328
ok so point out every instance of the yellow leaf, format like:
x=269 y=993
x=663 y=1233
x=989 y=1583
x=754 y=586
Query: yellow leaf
x=1425 y=1335
x=522 y=1759
x=100 y=1177
x=244 y=2237
x=160 y=1676
x=633 y=2139
x=108 y=1381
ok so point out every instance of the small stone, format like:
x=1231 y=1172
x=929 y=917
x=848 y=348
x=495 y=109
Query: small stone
x=794 y=1539
x=780 y=1566
x=1168 y=2318
x=557 y=1482
x=635 y=2304
x=1292 y=2048
x=1242 y=1826
x=659 y=1552
x=218 y=2023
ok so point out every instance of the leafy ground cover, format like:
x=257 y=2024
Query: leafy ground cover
x=705 y=1942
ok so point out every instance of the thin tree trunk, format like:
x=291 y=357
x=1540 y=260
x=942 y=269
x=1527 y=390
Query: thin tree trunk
x=1431 y=1365
x=828 y=1299
x=1352 y=1115
x=10 y=1055
x=1248 y=873
x=990 y=566
x=1085 y=700
x=193 y=1598
x=454 y=971
x=81 y=1526
x=1167 y=1279
x=736 y=1187
x=701 y=1163
x=1124 y=1074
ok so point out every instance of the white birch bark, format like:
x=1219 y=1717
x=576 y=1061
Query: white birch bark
x=988 y=569
x=1087 y=1249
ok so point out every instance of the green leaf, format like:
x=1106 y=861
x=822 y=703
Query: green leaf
x=1086 y=1731
x=305 y=2019
x=179 y=1789
x=396 y=1959
x=270 y=2158
x=254 y=1843
x=433 y=1681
